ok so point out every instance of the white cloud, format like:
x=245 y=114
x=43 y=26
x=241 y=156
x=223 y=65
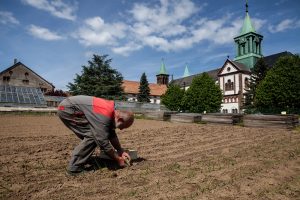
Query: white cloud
x=89 y=54
x=127 y=49
x=258 y=23
x=167 y=26
x=156 y=42
x=43 y=33
x=57 y=8
x=96 y=32
x=8 y=18
x=165 y=19
x=278 y=3
x=284 y=25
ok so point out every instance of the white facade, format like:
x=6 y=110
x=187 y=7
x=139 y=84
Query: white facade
x=233 y=82
x=230 y=107
x=232 y=79
x=133 y=98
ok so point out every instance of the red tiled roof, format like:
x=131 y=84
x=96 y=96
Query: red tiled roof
x=132 y=87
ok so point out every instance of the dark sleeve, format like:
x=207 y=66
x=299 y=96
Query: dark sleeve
x=102 y=136
x=112 y=134
x=101 y=129
x=114 y=140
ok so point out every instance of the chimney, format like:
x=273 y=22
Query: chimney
x=15 y=61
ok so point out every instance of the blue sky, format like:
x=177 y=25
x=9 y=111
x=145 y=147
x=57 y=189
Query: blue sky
x=55 y=38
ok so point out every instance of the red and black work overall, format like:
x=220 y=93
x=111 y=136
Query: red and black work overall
x=92 y=120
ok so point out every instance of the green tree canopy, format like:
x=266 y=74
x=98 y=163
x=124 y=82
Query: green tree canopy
x=172 y=99
x=258 y=73
x=203 y=95
x=280 y=90
x=144 y=90
x=98 y=79
x=57 y=93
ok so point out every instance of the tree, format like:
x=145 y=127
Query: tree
x=56 y=93
x=172 y=99
x=144 y=90
x=98 y=79
x=258 y=73
x=280 y=90
x=203 y=95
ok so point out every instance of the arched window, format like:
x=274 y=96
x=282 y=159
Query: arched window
x=235 y=110
x=228 y=85
x=246 y=82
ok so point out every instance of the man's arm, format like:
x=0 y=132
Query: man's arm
x=114 y=140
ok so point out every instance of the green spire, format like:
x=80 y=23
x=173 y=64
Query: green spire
x=162 y=67
x=186 y=71
x=247 y=26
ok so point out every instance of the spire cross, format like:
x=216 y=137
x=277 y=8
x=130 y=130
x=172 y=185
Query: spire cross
x=246 y=5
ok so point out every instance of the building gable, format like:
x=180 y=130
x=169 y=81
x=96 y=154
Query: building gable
x=228 y=68
x=20 y=75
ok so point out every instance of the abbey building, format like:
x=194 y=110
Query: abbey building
x=233 y=75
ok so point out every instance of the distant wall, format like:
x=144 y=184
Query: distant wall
x=138 y=107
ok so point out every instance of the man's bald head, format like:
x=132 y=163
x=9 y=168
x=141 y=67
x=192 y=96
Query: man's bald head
x=123 y=119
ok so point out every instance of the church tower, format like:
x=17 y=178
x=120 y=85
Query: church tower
x=162 y=77
x=186 y=71
x=248 y=43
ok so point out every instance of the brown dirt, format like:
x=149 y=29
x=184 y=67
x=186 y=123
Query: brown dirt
x=182 y=161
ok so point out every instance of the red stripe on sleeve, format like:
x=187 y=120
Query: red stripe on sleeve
x=61 y=108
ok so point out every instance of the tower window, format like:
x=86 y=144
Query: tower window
x=244 y=49
x=246 y=83
x=228 y=85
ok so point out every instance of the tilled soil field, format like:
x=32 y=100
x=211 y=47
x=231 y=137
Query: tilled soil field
x=177 y=161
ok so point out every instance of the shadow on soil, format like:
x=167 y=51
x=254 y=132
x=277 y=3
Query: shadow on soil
x=96 y=163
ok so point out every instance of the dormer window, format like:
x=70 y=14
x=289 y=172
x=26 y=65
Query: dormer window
x=26 y=81
x=6 y=79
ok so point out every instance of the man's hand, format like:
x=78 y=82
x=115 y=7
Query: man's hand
x=125 y=156
x=121 y=161
x=121 y=157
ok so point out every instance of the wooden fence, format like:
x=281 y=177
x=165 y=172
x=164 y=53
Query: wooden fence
x=265 y=121
x=222 y=118
x=271 y=121
x=159 y=115
x=186 y=117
